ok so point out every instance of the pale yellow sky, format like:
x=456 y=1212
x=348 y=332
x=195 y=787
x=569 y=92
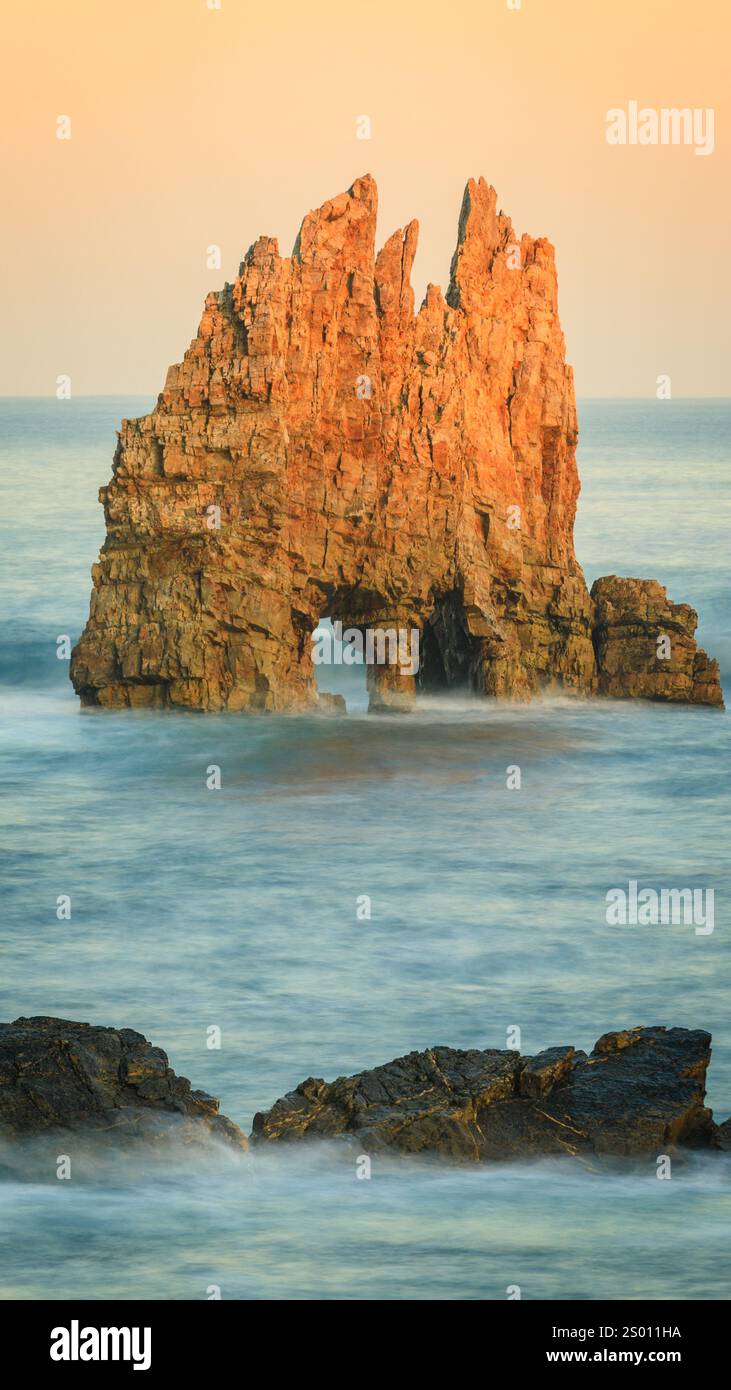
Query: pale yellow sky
x=193 y=126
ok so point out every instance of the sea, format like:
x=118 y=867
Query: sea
x=360 y=887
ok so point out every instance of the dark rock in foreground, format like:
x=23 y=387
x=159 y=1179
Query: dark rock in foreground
x=61 y=1076
x=640 y=1092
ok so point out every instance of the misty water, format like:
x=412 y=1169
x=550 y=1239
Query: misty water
x=237 y=908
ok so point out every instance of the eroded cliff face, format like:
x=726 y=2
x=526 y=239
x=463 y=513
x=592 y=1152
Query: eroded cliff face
x=322 y=450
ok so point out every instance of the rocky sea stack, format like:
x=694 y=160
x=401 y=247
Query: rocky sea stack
x=322 y=450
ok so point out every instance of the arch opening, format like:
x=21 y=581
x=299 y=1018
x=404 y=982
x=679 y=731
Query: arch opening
x=338 y=669
x=450 y=655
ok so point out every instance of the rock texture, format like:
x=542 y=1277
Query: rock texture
x=322 y=450
x=640 y=1092
x=631 y=615
x=61 y=1076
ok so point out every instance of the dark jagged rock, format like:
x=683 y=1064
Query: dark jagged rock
x=640 y=1092
x=61 y=1076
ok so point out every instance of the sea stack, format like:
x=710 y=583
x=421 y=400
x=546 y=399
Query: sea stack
x=322 y=450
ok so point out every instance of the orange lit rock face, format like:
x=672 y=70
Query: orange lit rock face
x=322 y=450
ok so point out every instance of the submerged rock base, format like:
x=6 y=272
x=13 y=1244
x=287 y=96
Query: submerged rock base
x=639 y=1092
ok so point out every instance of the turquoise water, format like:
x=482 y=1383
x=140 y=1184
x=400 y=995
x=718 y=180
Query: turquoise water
x=237 y=908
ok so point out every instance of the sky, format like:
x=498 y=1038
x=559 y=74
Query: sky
x=194 y=126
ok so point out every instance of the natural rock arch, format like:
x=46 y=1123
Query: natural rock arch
x=322 y=449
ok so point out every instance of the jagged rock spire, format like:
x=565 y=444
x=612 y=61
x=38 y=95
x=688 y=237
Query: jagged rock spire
x=322 y=450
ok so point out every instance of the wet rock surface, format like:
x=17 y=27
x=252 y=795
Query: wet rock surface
x=323 y=450
x=640 y=1091
x=56 y=1075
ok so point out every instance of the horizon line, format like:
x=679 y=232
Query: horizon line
x=126 y=395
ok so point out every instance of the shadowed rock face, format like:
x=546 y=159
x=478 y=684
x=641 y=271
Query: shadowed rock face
x=61 y=1076
x=640 y=1092
x=322 y=450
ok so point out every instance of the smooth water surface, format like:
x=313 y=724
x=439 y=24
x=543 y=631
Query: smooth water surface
x=237 y=908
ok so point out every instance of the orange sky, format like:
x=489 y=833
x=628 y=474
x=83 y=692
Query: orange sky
x=193 y=126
